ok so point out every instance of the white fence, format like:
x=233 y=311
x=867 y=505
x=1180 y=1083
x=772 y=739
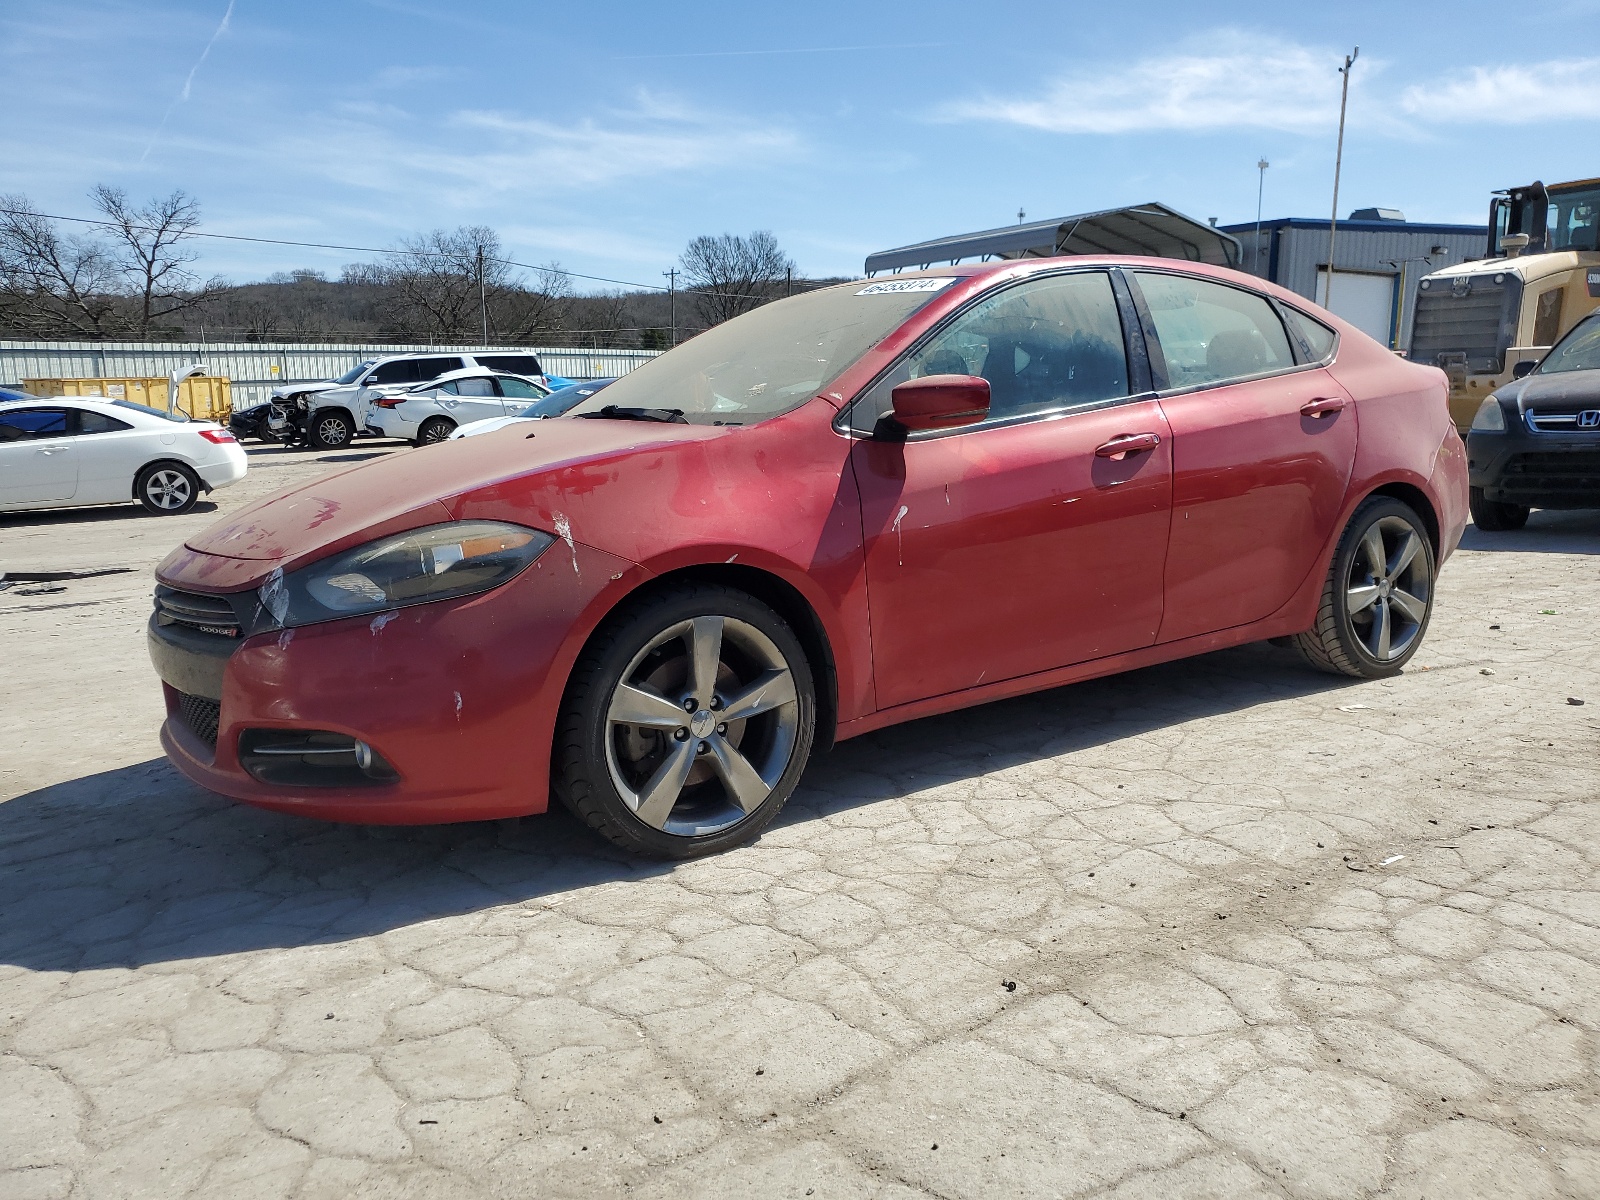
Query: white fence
x=257 y=367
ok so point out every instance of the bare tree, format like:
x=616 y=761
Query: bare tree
x=152 y=254
x=51 y=285
x=446 y=283
x=731 y=274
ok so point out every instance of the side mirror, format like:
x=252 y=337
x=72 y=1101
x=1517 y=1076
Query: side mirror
x=1525 y=367
x=940 y=402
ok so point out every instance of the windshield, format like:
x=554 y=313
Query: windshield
x=560 y=400
x=1578 y=351
x=355 y=372
x=180 y=417
x=770 y=360
x=1574 y=220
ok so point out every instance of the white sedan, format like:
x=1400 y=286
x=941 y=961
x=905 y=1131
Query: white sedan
x=431 y=412
x=62 y=453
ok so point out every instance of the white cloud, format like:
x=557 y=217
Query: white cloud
x=1231 y=80
x=1516 y=94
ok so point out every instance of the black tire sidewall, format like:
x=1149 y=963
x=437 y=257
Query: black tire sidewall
x=1349 y=545
x=433 y=423
x=614 y=647
x=143 y=481
x=1494 y=516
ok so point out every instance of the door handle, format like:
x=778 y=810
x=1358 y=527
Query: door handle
x=1322 y=407
x=1128 y=443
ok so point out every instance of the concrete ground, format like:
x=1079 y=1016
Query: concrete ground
x=1225 y=928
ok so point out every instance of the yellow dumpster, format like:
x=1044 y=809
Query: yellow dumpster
x=206 y=397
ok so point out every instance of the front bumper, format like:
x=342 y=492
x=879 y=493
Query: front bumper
x=460 y=697
x=1536 y=470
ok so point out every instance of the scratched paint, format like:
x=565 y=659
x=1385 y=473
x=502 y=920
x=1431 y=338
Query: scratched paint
x=379 y=621
x=899 y=542
x=564 y=532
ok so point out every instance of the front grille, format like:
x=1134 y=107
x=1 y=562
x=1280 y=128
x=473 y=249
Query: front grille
x=1574 y=474
x=1542 y=421
x=201 y=714
x=1478 y=323
x=208 y=614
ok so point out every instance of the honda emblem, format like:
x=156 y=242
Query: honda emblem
x=1589 y=419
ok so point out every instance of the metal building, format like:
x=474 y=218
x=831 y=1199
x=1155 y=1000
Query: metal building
x=1379 y=257
x=1153 y=229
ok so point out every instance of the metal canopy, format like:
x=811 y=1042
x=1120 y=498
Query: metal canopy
x=1151 y=229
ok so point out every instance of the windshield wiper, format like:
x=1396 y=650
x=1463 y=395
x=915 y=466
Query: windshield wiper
x=669 y=416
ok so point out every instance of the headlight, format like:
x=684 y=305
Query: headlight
x=437 y=562
x=1490 y=418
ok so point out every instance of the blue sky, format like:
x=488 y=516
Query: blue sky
x=606 y=136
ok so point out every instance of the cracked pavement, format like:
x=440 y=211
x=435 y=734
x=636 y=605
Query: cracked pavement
x=1223 y=928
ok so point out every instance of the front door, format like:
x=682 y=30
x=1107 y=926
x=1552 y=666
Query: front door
x=1262 y=452
x=38 y=456
x=1011 y=547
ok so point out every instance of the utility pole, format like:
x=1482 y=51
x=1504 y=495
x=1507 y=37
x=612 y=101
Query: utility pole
x=1261 y=187
x=483 y=299
x=788 y=280
x=672 y=299
x=1338 y=162
x=1020 y=216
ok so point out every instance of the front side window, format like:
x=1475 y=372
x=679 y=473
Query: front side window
x=31 y=423
x=1573 y=222
x=1211 y=333
x=1578 y=351
x=519 y=389
x=1044 y=345
x=401 y=370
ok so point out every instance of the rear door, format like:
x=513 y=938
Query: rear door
x=1263 y=445
x=475 y=400
x=38 y=455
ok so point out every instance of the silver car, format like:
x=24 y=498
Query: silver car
x=432 y=411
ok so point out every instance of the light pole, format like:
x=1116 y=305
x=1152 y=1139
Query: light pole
x=672 y=300
x=1261 y=187
x=483 y=299
x=1338 y=162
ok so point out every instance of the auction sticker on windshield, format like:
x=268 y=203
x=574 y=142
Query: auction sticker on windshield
x=893 y=286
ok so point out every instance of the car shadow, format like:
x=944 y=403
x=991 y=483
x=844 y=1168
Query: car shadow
x=1548 y=531
x=88 y=515
x=137 y=866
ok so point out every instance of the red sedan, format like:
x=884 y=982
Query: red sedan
x=859 y=506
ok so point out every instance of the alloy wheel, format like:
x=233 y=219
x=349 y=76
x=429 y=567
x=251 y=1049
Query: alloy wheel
x=702 y=725
x=168 y=490
x=332 y=432
x=1389 y=588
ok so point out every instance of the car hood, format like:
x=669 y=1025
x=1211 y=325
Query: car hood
x=1567 y=387
x=302 y=389
x=511 y=474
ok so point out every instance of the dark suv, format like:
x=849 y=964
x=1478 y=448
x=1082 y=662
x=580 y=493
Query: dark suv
x=1535 y=443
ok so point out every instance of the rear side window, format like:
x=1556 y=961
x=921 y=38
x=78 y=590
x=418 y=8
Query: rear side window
x=93 y=422
x=1210 y=332
x=474 y=387
x=432 y=368
x=1318 y=338
x=517 y=364
x=33 y=423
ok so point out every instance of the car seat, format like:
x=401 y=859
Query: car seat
x=1235 y=352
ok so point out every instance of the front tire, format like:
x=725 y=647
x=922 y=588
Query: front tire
x=435 y=429
x=332 y=430
x=1492 y=516
x=687 y=723
x=167 y=489
x=1378 y=595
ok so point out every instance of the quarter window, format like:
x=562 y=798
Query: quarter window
x=1210 y=332
x=90 y=421
x=1045 y=345
x=1317 y=336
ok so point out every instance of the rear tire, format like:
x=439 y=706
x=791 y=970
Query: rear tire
x=1492 y=516
x=1378 y=595
x=331 y=430
x=435 y=429
x=650 y=750
x=167 y=489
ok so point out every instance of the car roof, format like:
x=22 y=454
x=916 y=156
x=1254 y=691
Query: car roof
x=379 y=359
x=468 y=373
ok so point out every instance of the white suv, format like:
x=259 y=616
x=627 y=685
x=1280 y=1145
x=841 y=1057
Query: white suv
x=335 y=414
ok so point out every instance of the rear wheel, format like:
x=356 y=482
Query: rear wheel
x=167 y=489
x=1492 y=516
x=435 y=429
x=1378 y=595
x=331 y=430
x=687 y=724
